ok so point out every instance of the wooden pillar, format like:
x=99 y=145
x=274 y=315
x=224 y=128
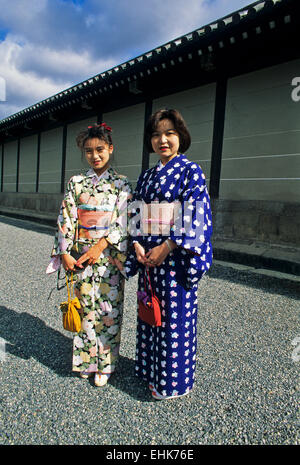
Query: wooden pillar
x=218 y=135
x=37 y=178
x=18 y=165
x=2 y=167
x=63 y=162
x=148 y=112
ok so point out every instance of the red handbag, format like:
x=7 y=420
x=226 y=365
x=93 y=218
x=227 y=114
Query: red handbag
x=149 y=306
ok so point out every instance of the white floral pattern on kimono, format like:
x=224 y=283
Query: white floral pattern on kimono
x=99 y=287
x=166 y=355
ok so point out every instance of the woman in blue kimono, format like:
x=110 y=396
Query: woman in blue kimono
x=171 y=239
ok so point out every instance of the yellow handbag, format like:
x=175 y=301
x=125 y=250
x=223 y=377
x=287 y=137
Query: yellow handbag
x=71 y=317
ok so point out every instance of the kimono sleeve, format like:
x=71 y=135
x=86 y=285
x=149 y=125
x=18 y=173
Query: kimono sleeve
x=192 y=229
x=132 y=266
x=193 y=226
x=66 y=222
x=135 y=211
x=118 y=232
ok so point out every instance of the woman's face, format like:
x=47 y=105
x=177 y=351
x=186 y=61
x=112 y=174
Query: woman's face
x=165 y=140
x=97 y=153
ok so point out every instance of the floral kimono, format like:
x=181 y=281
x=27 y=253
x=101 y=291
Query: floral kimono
x=166 y=355
x=95 y=207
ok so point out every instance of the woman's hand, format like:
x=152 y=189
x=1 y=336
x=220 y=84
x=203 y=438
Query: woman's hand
x=157 y=255
x=140 y=253
x=93 y=254
x=68 y=262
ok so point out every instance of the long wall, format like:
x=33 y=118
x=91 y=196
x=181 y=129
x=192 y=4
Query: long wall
x=28 y=164
x=197 y=107
x=261 y=150
x=260 y=174
x=259 y=194
x=128 y=129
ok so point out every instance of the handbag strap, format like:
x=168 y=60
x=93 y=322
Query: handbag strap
x=148 y=275
x=70 y=286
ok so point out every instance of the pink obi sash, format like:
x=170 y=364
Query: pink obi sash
x=93 y=222
x=158 y=218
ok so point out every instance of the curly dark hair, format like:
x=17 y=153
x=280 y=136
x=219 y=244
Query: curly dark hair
x=179 y=124
x=98 y=131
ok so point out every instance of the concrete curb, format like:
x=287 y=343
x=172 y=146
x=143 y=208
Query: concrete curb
x=258 y=255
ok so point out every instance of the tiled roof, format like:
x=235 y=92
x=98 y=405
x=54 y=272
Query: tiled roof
x=184 y=47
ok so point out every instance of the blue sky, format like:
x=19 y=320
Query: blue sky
x=49 y=45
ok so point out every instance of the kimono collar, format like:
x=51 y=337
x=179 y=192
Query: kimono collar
x=92 y=174
x=107 y=174
x=170 y=164
x=159 y=166
x=157 y=179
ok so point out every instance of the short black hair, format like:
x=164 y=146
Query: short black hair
x=95 y=131
x=179 y=125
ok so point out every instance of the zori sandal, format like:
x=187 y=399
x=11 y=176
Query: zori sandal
x=101 y=378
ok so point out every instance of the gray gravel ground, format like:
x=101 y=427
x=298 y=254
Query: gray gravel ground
x=246 y=389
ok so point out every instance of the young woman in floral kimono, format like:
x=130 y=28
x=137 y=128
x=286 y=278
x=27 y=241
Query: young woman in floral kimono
x=171 y=237
x=93 y=223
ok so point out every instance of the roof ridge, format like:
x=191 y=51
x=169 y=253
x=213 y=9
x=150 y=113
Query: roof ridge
x=201 y=32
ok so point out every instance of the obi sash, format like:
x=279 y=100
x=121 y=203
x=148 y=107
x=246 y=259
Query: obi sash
x=157 y=218
x=93 y=221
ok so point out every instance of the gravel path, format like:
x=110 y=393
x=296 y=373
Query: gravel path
x=246 y=389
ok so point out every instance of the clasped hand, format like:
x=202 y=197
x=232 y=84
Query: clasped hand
x=91 y=256
x=154 y=257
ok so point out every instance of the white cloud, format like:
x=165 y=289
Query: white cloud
x=33 y=73
x=21 y=88
x=62 y=64
x=55 y=44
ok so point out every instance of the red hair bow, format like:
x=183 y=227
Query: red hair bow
x=104 y=125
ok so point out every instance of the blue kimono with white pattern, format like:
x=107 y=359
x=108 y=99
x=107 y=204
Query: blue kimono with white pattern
x=166 y=355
